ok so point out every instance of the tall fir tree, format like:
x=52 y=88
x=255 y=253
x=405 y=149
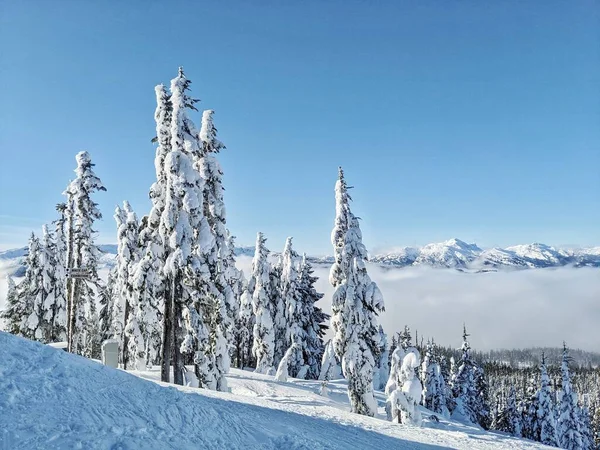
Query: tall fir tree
x=223 y=308
x=124 y=313
x=21 y=316
x=568 y=428
x=296 y=318
x=83 y=253
x=316 y=325
x=355 y=305
x=60 y=275
x=183 y=228
x=469 y=389
x=264 y=334
x=546 y=417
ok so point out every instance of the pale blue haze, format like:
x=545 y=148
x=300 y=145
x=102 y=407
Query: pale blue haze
x=472 y=119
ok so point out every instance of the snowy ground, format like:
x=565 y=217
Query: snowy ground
x=53 y=400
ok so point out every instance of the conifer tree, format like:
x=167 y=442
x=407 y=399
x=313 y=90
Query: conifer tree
x=383 y=365
x=510 y=419
x=60 y=276
x=12 y=314
x=264 y=334
x=568 y=428
x=355 y=305
x=278 y=312
x=106 y=302
x=183 y=229
x=315 y=327
x=124 y=313
x=82 y=253
x=469 y=389
x=45 y=301
x=21 y=315
x=151 y=286
x=330 y=369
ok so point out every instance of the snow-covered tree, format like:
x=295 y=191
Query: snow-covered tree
x=183 y=230
x=355 y=305
x=434 y=386
x=545 y=409
x=330 y=368
x=13 y=313
x=585 y=426
x=106 y=302
x=264 y=334
x=125 y=323
x=315 y=327
x=245 y=327
x=382 y=372
x=297 y=319
x=219 y=257
x=20 y=314
x=468 y=389
x=404 y=400
x=568 y=429
x=45 y=301
x=278 y=312
x=510 y=419
x=81 y=213
x=528 y=408
x=150 y=284
x=60 y=275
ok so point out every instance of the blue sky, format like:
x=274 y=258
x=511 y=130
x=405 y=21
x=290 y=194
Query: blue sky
x=477 y=120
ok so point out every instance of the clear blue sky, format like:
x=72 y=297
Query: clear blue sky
x=473 y=119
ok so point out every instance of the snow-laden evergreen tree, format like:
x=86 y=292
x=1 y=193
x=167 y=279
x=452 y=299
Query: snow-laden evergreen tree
x=596 y=423
x=404 y=400
x=45 y=301
x=355 y=305
x=529 y=407
x=585 y=425
x=330 y=368
x=81 y=213
x=434 y=395
x=510 y=418
x=223 y=310
x=150 y=283
x=546 y=417
x=106 y=302
x=245 y=329
x=185 y=231
x=12 y=313
x=145 y=284
x=282 y=373
x=235 y=281
x=60 y=276
x=468 y=389
x=316 y=326
x=128 y=256
x=278 y=311
x=124 y=313
x=264 y=334
x=20 y=314
x=568 y=428
x=295 y=319
x=382 y=372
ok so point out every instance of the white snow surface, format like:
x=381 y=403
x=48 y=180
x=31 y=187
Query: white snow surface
x=52 y=399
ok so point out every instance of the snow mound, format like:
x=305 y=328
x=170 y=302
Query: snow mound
x=52 y=399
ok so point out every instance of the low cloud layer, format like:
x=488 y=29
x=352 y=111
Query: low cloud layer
x=540 y=307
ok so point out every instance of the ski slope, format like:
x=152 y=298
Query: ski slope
x=50 y=399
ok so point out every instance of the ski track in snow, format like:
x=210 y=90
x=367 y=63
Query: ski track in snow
x=50 y=399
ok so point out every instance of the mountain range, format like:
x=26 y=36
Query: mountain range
x=452 y=254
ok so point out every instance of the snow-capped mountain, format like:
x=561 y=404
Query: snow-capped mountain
x=454 y=253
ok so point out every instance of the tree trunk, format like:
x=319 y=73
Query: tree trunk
x=167 y=347
x=125 y=338
x=177 y=359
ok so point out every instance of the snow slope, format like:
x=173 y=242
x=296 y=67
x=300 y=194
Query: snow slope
x=52 y=399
